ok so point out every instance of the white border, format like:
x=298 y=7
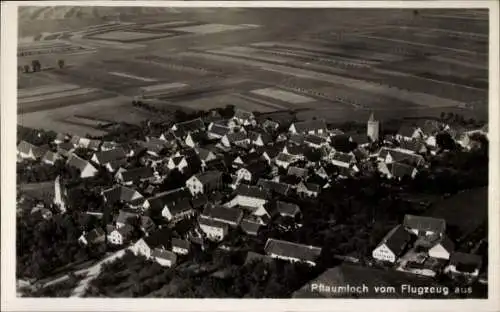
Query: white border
x=8 y=117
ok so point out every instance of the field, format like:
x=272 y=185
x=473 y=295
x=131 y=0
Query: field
x=337 y=64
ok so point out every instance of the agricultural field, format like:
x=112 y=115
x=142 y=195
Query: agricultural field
x=343 y=65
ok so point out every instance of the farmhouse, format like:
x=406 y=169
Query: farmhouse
x=65 y=149
x=248 y=196
x=189 y=126
x=259 y=139
x=158 y=239
x=250 y=227
x=284 y=160
x=464 y=264
x=105 y=157
x=195 y=138
x=121 y=194
x=317 y=126
x=315 y=141
x=412 y=147
x=236 y=138
x=409 y=133
x=298 y=172
x=292 y=252
x=177 y=162
x=273 y=186
x=126 y=217
x=147 y=225
x=27 y=150
x=85 y=168
x=392 y=245
x=204 y=183
x=50 y=158
x=252 y=172
x=164 y=257
x=345 y=160
x=424 y=226
x=229 y=216
x=214 y=230
x=388 y=156
x=176 y=211
x=287 y=209
x=217 y=131
x=158 y=203
x=205 y=155
x=139 y=174
x=308 y=189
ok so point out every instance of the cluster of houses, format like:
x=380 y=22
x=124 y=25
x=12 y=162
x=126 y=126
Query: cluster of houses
x=237 y=166
x=420 y=245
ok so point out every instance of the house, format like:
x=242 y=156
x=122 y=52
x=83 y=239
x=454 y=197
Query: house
x=204 y=183
x=190 y=126
x=205 y=155
x=424 y=226
x=259 y=139
x=217 y=131
x=401 y=170
x=167 y=136
x=392 y=245
x=315 y=141
x=295 y=150
x=252 y=172
x=362 y=140
x=105 y=157
x=164 y=257
x=159 y=239
x=177 y=162
x=284 y=160
x=442 y=249
x=229 y=216
x=65 y=149
x=152 y=146
x=277 y=187
x=464 y=264
x=27 y=150
x=298 y=172
x=147 y=225
x=297 y=138
x=96 y=236
x=108 y=145
x=139 y=174
x=176 y=211
x=412 y=147
x=270 y=125
x=199 y=202
x=61 y=138
x=115 y=165
x=250 y=226
x=246 y=159
x=121 y=235
x=50 y=158
x=389 y=155
x=292 y=252
x=85 y=168
x=317 y=126
x=157 y=203
x=345 y=160
x=285 y=209
x=308 y=189
x=248 y=196
x=195 y=138
x=181 y=246
x=407 y=132
x=126 y=217
x=214 y=230
x=236 y=138
x=121 y=194
x=243 y=117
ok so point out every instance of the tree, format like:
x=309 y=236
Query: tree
x=60 y=63
x=35 y=64
x=26 y=68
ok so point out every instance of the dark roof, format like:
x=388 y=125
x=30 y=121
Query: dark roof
x=292 y=250
x=25 y=147
x=242 y=114
x=116 y=164
x=412 y=145
x=251 y=191
x=298 y=172
x=253 y=256
x=223 y=214
x=465 y=262
x=210 y=222
x=147 y=223
x=203 y=153
x=180 y=243
x=314 y=139
x=77 y=162
x=51 y=156
x=297 y=138
x=271 y=151
x=359 y=138
x=199 y=201
x=110 y=155
x=313 y=187
x=198 y=136
x=159 y=238
x=285 y=157
x=160 y=200
x=280 y=188
x=400 y=170
x=65 y=146
x=396 y=240
x=137 y=174
x=168 y=136
x=399 y=156
x=191 y=125
x=447 y=244
x=257 y=168
x=250 y=227
x=236 y=136
x=120 y=193
x=343 y=157
x=287 y=209
x=95 y=234
x=293 y=149
x=406 y=131
x=126 y=230
x=310 y=125
x=126 y=216
x=357 y=275
x=422 y=223
x=180 y=206
x=209 y=177
x=219 y=129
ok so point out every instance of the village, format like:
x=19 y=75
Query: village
x=210 y=182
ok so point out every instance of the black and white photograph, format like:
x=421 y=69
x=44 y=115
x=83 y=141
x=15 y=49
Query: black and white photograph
x=252 y=152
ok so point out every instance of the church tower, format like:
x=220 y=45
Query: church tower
x=373 y=128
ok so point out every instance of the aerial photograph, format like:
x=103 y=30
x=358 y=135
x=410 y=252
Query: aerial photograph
x=189 y=152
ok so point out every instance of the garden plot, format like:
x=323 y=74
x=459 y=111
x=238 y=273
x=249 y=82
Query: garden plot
x=249 y=53
x=130 y=76
x=170 y=24
x=44 y=90
x=210 y=28
x=162 y=88
x=129 y=36
x=206 y=103
x=56 y=95
x=283 y=95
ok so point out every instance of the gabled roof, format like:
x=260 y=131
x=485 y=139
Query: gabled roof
x=202 y=220
x=203 y=153
x=242 y=114
x=298 y=172
x=168 y=136
x=310 y=125
x=120 y=193
x=177 y=160
x=314 y=139
x=180 y=206
x=95 y=234
x=297 y=138
x=126 y=216
x=359 y=138
x=251 y=191
x=257 y=168
x=191 y=125
x=198 y=136
x=400 y=170
x=236 y=136
x=164 y=254
x=250 y=227
x=270 y=124
x=160 y=200
x=159 y=238
x=219 y=129
x=396 y=240
x=422 y=223
x=280 y=188
x=65 y=146
x=399 y=156
x=51 y=156
x=209 y=177
x=110 y=155
x=126 y=230
x=108 y=145
x=406 y=131
x=25 y=147
x=287 y=158
x=117 y=164
x=137 y=174
x=343 y=157
x=199 y=201
x=412 y=145
x=254 y=136
x=180 y=243
x=94 y=144
x=287 y=209
x=447 y=244
x=313 y=187
x=465 y=262
x=224 y=214
x=293 y=149
x=292 y=250
x=77 y=162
